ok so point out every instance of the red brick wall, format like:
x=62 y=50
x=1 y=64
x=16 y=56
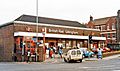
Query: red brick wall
x=6 y=43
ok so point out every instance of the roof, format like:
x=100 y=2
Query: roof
x=6 y=24
x=102 y=21
x=44 y=20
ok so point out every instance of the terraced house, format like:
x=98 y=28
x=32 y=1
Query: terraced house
x=110 y=28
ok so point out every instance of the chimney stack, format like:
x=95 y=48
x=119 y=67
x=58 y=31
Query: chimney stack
x=91 y=18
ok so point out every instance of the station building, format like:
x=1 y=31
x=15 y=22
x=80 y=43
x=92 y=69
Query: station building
x=21 y=35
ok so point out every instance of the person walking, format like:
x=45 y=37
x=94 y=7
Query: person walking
x=28 y=54
x=60 y=52
x=51 y=53
x=99 y=53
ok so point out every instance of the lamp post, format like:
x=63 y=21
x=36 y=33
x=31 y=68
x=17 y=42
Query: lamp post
x=36 y=29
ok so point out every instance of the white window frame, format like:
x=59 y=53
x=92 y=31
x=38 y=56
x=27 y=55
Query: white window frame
x=108 y=27
x=113 y=26
x=103 y=26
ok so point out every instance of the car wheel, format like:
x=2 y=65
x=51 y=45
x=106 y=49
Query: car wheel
x=65 y=60
x=69 y=59
x=80 y=60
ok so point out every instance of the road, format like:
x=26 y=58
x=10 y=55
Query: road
x=100 y=65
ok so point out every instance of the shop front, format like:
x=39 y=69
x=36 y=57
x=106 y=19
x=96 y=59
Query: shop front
x=66 y=38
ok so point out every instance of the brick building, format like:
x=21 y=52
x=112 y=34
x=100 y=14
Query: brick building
x=109 y=27
x=118 y=27
x=19 y=36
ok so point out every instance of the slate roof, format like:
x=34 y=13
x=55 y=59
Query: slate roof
x=45 y=20
x=102 y=21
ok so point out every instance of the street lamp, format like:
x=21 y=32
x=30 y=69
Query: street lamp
x=36 y=29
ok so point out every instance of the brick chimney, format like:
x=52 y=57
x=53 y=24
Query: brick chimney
x=91 y=18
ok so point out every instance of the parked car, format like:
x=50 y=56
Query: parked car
x=87 y=53
x=73 y=55
x=105 y=49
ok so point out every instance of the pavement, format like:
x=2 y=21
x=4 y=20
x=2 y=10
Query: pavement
x=111 y=57
x=57 y=59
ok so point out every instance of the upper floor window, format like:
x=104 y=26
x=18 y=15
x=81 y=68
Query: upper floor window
x=108 y=27
x=113 y=26
x=102 y=35
x=108 y=35
x=113 y=35
x=103 y=27
x=98 y=27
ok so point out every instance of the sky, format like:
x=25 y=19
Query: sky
x=74 y=10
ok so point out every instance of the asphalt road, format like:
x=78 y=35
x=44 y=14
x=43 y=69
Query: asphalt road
x=100 y=65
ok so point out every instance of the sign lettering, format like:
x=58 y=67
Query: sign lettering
x=62 y=31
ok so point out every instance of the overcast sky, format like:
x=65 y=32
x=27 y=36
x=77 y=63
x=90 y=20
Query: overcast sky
x=75 y=10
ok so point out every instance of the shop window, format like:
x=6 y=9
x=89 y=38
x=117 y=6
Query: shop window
x=86 y=43
x=81 y=44
x=74 y=43
x=108 y=35
x=68 y=43
x=14 y=48
x=63 y=43
x=113 y=35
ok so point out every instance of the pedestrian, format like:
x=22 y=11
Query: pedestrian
x=51 y=53
x=60 y=52
x=54 y=49
x=99 y=55
x=28 y=54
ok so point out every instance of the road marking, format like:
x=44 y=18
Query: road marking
x=84 y=67
x=116 y=70
x=97 y=67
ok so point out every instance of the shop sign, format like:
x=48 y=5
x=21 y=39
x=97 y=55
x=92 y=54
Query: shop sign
x=70 y=32
x=62 y=31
